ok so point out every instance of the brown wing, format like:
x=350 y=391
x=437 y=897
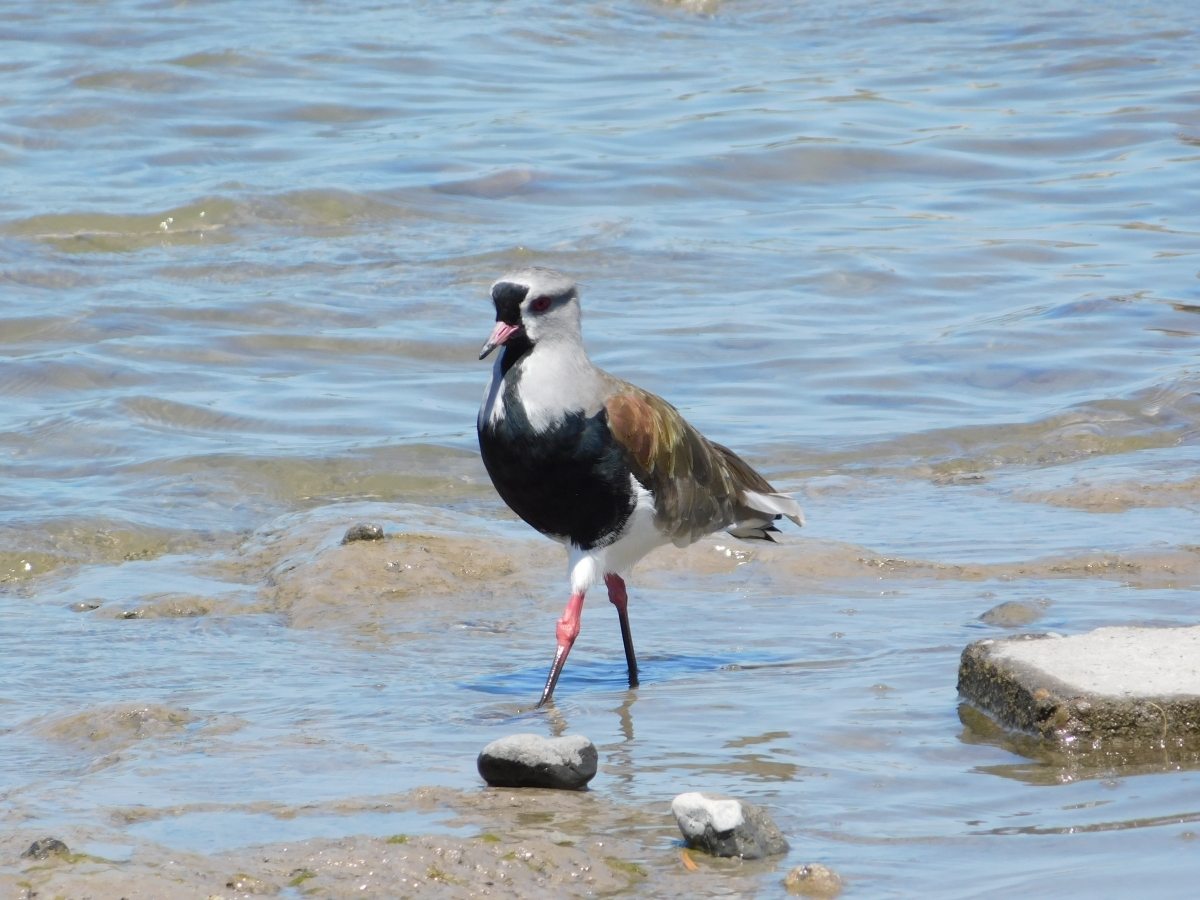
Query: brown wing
x=699 y=487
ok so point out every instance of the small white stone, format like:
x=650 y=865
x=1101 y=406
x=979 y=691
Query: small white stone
x=695 y=810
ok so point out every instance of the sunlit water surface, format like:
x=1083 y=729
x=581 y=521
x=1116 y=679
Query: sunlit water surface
x=933 y=267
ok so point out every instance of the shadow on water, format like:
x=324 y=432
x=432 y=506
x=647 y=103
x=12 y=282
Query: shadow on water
x=608 y=675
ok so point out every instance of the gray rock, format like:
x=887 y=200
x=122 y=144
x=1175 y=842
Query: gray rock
x=725 y=826
x=363 y=532
x=529 y=760
x=814 y=880
x=45 y=848
x=1014 y=613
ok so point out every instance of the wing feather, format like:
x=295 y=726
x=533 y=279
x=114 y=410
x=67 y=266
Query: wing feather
x=699 y=487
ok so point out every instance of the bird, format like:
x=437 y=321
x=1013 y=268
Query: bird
x=607 y=469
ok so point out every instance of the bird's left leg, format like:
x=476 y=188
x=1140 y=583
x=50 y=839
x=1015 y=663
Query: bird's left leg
x=567 y=631
x=620 y=599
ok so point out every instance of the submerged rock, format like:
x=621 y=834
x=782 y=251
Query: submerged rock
x=114 y=727
x=1013 y=614
x=363 y=532
x=814 y=880
x=726 y=826
x=529 y=760
x=45 y=848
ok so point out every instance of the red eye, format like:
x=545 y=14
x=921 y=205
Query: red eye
x=541 y=304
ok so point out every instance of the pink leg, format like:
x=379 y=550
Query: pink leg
x=618 y=597
x=567 y=631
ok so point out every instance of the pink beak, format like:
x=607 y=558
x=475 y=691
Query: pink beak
x=501 y=333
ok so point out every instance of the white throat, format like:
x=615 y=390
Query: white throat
x=553 y=379
x=556 y=378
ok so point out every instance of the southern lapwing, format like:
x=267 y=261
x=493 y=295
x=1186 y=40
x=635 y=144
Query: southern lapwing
x=603 y=467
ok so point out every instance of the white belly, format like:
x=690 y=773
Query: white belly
x=587 y=568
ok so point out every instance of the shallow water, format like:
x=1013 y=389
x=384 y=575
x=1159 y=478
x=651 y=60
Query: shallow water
x=933 y=267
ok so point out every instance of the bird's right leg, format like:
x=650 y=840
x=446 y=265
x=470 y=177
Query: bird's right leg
x=619 y=598
x=567 y=631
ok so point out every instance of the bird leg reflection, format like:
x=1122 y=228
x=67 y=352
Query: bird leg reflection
x=625 y=714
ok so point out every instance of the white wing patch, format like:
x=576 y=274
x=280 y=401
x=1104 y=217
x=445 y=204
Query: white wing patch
x=775 y=504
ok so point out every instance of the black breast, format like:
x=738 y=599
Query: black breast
x=567 y=481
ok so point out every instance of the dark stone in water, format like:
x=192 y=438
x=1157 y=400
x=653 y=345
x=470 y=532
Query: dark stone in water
x=363 y=532
x=726 y=826
x=45 y=848
x=529 y=760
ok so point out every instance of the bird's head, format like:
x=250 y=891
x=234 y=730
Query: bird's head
x=534 y=305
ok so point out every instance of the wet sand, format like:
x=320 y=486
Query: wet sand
x=527 y=844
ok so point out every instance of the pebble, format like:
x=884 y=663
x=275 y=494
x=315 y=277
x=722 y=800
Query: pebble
x=46 y=847
x=529 y=760
x=363 y=532
x=814 y=880
x=726 y=826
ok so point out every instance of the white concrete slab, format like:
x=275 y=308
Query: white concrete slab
x=1116 y=690
x=1117 y=661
